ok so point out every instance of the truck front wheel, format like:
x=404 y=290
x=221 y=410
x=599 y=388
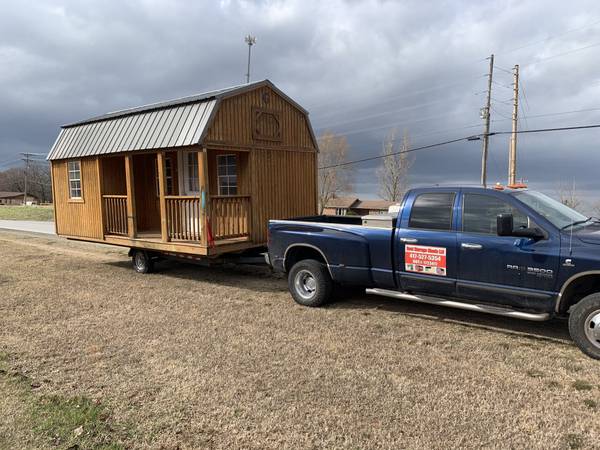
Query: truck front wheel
x=584 y=325
x=310 y=283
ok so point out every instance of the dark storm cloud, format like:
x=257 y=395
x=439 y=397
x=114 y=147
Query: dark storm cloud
x=361 y=68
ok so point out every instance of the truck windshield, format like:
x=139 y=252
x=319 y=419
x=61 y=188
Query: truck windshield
x=555 y=212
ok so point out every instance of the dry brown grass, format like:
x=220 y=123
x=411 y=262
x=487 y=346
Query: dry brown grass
x=194 y=357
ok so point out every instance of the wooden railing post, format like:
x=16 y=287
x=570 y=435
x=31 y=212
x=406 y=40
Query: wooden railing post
x=131 y=215
x=161 y=193
x=204 y=195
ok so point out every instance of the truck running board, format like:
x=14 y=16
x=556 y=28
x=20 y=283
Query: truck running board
x=537 y=317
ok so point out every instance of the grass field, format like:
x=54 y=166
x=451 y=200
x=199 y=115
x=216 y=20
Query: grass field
x=43 y=213
x=98 y=356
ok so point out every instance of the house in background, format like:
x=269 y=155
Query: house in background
x=339 y=206
x=16 y=198
x=344 y=206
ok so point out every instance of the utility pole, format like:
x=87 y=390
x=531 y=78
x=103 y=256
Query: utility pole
x=512 y=157
x=250 y=40
x=486 y=112
x=26 y=159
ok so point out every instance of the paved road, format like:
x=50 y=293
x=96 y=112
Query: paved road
x=28 y=225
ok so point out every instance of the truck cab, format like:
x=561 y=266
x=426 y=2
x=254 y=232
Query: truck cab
x=513 y=252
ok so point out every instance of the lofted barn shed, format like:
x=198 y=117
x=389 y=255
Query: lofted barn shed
x=200 y=175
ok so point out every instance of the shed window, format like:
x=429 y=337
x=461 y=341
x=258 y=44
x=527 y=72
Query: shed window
x=227 y=174
x=74 y=179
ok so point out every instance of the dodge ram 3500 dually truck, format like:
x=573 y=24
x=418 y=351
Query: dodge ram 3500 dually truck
x=511 y=252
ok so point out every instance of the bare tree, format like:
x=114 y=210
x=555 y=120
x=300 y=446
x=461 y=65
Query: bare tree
x=393 y=174
x=333 y=178
x=38 y=179
x=568 y=195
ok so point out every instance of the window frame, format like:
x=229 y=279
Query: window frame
x=169 y=167
x=479 y=233
x=74 y=199
x=452 y=228
x=227 y=175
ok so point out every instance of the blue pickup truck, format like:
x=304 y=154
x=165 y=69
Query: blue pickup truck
x=511 y=252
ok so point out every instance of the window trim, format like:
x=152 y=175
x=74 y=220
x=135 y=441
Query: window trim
x=478 y=233
x=185 y=178
x=452 y=228
x=72 y=199
x=168 y=178
x=224 y=155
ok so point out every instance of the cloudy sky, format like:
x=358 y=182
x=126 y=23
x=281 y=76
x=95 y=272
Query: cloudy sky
x=359 y=67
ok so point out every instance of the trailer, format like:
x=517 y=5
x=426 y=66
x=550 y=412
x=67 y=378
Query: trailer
x=196 y=177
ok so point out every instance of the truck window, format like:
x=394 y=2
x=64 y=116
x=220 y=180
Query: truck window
x=480 y=213
x=432 y=211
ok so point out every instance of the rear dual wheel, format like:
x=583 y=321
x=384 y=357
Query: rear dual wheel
x=309 y=283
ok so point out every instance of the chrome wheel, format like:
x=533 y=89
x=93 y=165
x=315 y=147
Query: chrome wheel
x=592 y=328
x=305 y=284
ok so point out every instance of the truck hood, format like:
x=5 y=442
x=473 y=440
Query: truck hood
x=589 y=234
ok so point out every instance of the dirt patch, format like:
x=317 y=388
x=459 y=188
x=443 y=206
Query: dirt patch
x=195 y=357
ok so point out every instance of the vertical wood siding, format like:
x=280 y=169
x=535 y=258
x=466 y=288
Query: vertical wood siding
x=283 y=186
x=233 y=121
x=78 y=218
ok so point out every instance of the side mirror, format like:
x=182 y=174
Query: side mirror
x=505 y=225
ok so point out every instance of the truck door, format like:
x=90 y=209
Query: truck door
x=502 y=269
x=425 y=243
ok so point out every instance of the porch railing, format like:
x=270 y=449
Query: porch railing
x=230 y=216
x=183 y=217
x=115 y=214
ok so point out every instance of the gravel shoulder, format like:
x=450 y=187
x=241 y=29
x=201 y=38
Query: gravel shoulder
x=197 y=357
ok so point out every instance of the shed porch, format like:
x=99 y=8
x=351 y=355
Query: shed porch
x=164 y=200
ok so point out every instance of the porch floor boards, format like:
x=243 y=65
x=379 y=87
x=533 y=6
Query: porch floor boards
x=152 y=240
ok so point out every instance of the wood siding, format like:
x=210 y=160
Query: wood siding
x=113 y=175
x=283 y=186
x=234 y=121
x=78 y=217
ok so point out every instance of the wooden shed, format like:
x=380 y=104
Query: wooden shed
x=200 y=175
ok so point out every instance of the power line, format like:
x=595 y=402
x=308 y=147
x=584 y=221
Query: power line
x=412 y=93
x=551 y=37
x=410 y=150
x=475 y=137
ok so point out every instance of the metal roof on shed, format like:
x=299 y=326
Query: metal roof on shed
x=174 y=126
x=174 y=123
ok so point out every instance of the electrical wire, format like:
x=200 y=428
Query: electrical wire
x=465 y=138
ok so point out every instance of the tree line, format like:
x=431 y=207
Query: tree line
x=38 y=181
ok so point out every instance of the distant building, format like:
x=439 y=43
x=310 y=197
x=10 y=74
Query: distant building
x=339 y=206
x=344 y=206
x=15 y=198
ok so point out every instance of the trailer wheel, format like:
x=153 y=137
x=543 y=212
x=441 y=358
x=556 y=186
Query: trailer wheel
x=309 y=283
x=584 y=325
x=141 y=261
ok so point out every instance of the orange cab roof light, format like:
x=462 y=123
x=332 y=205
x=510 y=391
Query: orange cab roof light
x=517 y=186
x=498 y=187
